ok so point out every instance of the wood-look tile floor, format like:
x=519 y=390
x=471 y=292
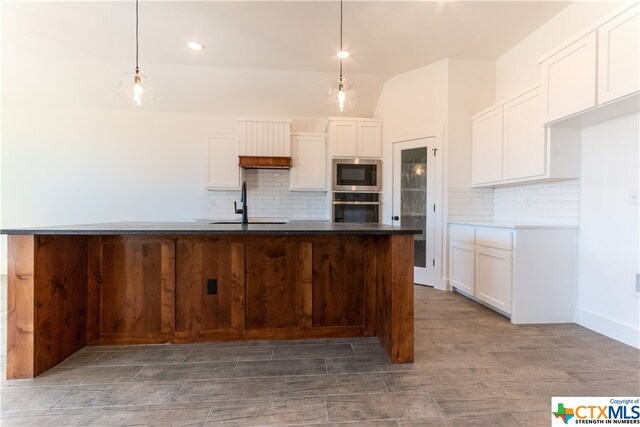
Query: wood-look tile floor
x=472 y=368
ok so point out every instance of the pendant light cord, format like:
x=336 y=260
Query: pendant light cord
x=340 y=24
x=340 y=39
x=137 y=68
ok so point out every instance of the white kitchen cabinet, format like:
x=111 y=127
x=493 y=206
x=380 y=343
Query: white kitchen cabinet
x=343 y=137
x=596 y=76
x=525 y=151
x=462 y=266
x=223 y=172
x=309 y=162
x=526 y=272
x=369 y=139
x=493 y=277
x=510 y=145
x=353 y=137
x=619 y=56
x=569 y=79
x=462 y=257
x=487 y=147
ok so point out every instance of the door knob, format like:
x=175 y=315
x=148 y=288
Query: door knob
x=395 y=218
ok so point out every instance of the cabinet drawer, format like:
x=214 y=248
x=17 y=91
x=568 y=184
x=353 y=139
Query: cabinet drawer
x=462 y=233
x=495 y=238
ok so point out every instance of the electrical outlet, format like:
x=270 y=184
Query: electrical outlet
x=638 y=282
x=634 y=197
x=212 y=287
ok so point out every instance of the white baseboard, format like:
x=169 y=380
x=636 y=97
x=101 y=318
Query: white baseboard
x=628 y=334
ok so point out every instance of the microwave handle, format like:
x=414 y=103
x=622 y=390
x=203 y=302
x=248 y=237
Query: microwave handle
x=356 y=203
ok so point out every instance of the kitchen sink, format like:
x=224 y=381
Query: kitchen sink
x=250 y=222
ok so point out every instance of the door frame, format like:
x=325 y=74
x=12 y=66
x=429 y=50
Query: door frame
x=436 y=132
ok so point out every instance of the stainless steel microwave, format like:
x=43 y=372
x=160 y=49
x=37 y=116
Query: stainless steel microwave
x=357 y=175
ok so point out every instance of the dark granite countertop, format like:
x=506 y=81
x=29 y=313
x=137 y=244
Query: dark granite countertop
x=203 y=228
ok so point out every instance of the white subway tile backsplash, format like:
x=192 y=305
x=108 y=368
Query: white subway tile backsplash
x=542 y=203
x=470 y=204
x=269 y=197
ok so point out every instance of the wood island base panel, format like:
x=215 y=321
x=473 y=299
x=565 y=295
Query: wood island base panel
x=67 y=291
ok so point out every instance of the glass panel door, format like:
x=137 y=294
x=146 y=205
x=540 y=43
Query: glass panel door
x=413 y=201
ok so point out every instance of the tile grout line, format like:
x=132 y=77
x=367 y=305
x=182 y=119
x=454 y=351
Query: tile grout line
x=86 y=416
x=208 y=413
x=187 y=355
x=173 y=399
x=65 y=396
x=326 y=408
x=141 y=369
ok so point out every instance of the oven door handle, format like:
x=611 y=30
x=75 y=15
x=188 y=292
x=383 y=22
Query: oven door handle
x=355 y=203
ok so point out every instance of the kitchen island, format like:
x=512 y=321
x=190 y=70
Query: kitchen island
x=135 y=283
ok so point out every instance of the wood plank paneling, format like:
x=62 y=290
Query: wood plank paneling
x=305 y=282
x=94 y=289
x=371 y=270
x=20 y=307
x=238 y=299
x=271 y=277
x=60 y=298
x=47 y=302
x=395 y=297
x=137 y=284
x=197 y=262
x=338 y=282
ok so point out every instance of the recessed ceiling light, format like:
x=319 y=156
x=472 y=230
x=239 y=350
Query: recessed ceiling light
x=343 y=54
x=195 y=46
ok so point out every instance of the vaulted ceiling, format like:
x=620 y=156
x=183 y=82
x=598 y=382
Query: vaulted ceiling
x=260 y=57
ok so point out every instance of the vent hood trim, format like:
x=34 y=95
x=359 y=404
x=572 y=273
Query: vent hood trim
x=264 y=162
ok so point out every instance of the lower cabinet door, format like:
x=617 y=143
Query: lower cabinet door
x=462 y=264
x=493 y=278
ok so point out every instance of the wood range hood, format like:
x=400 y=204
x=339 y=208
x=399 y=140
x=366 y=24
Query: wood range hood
x=264 y=162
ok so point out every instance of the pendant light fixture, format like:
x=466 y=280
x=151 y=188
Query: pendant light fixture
x=342 y=94
x=136 y=87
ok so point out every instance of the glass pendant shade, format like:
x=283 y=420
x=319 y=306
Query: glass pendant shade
x=136 y=89
x=342 y=96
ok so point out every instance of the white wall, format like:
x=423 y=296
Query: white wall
x=78 y=166
x=408 y=101
x=471 y=89
x=609 y=254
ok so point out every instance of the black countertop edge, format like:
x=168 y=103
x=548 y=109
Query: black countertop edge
x=198 y=228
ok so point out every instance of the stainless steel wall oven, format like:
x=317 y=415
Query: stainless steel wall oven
x=356 y=207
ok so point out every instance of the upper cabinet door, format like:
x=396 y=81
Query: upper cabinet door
x=309 y=163
x=525 y=152
x=486 y=148
x=569 y=79
x=223 y=170
x=619 y=56
x=369 y=139
x=343 y=137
